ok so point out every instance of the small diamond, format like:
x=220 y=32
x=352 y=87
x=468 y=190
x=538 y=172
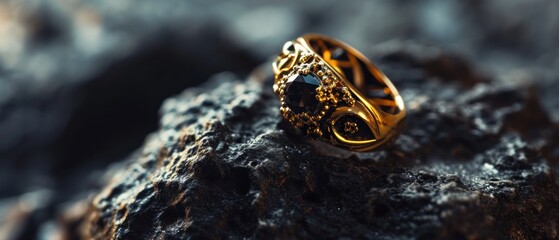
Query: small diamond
x=351 y=127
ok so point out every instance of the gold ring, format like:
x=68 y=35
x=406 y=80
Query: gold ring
x=332 y=93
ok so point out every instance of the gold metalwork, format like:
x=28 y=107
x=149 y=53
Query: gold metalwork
x=360 y=109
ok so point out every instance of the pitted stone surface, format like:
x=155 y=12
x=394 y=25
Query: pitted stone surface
x=81 y=82
x=223 y=165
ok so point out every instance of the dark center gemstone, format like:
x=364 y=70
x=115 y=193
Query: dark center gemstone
x=301 y=93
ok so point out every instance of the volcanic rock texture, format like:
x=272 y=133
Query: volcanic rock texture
x=81 y=83
x=471 y=163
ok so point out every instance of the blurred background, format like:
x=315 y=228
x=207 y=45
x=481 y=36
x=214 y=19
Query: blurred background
x=81 y=81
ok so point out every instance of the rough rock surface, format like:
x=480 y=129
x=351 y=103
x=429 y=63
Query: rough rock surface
x=81 y=82
x=473 y=162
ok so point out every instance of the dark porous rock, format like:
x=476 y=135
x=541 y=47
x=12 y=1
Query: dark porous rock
x=469 y=165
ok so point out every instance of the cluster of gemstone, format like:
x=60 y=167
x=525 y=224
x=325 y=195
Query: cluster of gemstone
x=309 y=92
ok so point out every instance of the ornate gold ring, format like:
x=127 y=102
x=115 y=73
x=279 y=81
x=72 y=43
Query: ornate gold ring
x=332 y=93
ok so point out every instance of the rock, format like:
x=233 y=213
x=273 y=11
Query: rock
x=81 y=82
x=20 y=216
x=85 y=80
x=223 y=165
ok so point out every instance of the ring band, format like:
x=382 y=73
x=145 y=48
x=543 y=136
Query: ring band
x=332 y=93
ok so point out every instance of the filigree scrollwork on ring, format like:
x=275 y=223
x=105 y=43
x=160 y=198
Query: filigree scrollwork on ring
x=320 y=82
